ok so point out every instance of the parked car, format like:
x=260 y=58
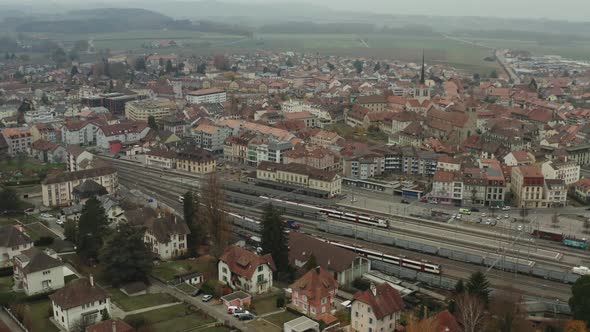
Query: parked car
x=232 y=308
x=245 y=316
x=506 y=216
x=473 y=209
x=506 y=208
x=29 y=211
x=423 y=200
x=458 y=217
x=196 y=293
x=519 y=228
x=405 y=201
x=237 y=313
x=206 y=298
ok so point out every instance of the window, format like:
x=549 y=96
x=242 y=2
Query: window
x=313 y=310
x=324 y=300
x=260 y=268
x=369 y=309
x=356 y=314
x=370 y=320
x=224 y=270
x=46 y=272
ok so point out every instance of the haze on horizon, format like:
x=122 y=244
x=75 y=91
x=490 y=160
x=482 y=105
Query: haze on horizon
x=572 y=10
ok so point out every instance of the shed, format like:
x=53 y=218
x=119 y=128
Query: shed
x=134 y=288
x=301 y=324
x=239 y=298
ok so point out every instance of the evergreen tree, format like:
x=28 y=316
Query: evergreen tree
x=274 y=241
x=152 y=122
x=8 y=200
x=140 y=64
x=331 y=66
x=125 y=256
x=358 y=65
x=580 y=300
x=377 y=67
x=478 y=285
x=71 y=231
x=74 y=71
x=289 y=62
x=169 y=67
x=92 y=228
x=45 y=99
x=191 y=212
x=459 y=287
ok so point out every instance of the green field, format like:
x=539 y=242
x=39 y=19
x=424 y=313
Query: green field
x=130 y=303
x=171 y=319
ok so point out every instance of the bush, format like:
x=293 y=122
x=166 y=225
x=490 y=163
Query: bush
x=6 y=271
x=280 y=302
x=361 y=284
x=135 y=322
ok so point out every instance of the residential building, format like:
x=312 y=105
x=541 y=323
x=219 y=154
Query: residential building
x=80 y=132
x=58 y=190
x=555 y=191
x=19 y=140
x=447 y=187
x=161 y=158
x=317 y=157
x=449 y=164
x=80 y=303
x=519 y=158
x=175 y=124
x=126 y=133
x=242 y=269
x=312 y=293
x=13 y=241
x=343 y=264
x=235 y=148
x=166 y=237
x=308 y=119
x=210 y=137
x=527 y=186
x=44 y=131
x=375 y=103
x=581 y=190
x=327 y=182
x=376 y=309
x=43 y=114
x=195 y=160
x=48 y=152
x=262 y=149
x=37 y=271
x=141 y=110
x=206 y=96
x=325 y=138
x=568 y=171
x=76 y=158
x=110 y=325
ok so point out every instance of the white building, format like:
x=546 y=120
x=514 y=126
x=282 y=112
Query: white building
x=80 y=303
x=206 y=96
x=19 y=140
x=376 y=309
x=13 y=241
x=166 y=237
x=75 y=155
x=127 y=132
x=37 y=271
x=79 y=133
x=242 y=269
x=161 y=158
x=568 y=171
x=43 y=114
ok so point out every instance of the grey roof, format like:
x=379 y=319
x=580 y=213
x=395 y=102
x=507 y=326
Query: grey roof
x=301 y=324
x=236 y=295
x=107 y=202
x=10 y=236
x=68 y=211
x=163 y=228
x=88 y=189
x=38 y=260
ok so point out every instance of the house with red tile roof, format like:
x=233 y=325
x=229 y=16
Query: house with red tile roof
x=244 y=270
x=110 y=325
x=312 y=293
x=581 y=190
x=377 y=309
x=519 y=158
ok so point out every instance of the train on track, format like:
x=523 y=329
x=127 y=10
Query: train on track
x=335 y=214
x=581 y=243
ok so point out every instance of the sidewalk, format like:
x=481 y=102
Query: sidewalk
x=7 y=320
x=139 y=311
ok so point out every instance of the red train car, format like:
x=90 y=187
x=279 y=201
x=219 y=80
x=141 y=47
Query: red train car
x=548 y=235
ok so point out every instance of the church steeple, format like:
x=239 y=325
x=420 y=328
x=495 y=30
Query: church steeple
x=422 y=78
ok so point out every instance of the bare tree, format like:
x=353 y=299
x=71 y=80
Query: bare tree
x=470 y=312
x=507 y=312
x=214 y=218
x=424 y=325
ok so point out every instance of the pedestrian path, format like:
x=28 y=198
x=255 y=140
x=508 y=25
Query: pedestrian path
x=139 y=311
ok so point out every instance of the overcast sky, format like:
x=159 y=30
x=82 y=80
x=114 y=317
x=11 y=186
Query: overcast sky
x=553 y=9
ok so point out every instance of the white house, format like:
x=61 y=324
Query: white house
x=242 y=269
x=376 y=309
x=75 y=155
x=80 y=303
x=568 y=171
x=79 y=132
x=37 y=271
x=13 y=241
x=166 y=237
x=126 y=132
x=206 y=96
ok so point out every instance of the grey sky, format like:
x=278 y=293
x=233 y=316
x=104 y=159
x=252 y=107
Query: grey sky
x=563 y=9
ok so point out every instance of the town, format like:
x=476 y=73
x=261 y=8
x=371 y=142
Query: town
x=291 y=190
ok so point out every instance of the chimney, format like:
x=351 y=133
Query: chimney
x=91 y=280
x=317 y=269
x=114 y=326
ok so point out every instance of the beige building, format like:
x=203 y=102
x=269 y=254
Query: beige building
x=166 y=237
x=527 y=186
x=301 y=176
x=325 y=138
x=377 y=309
x=58 y=190
x=195 y=160
x=568 y=171
x=317 y=157
x=242 y=269
x=141 y=110
x=37 y=271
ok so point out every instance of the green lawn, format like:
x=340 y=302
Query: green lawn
x=38 y=314
x=28 y=165
x=6 y=284
x=265 y=326
x=130 y=303
x=265 y=305
x=171 y=319
x=4 y=221
x=37 y=230
x=280 y=318
x=186 y=288
x=167 y=270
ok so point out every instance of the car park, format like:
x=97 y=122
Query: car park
x=206 y=298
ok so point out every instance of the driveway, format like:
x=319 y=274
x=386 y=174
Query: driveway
x=213 y=308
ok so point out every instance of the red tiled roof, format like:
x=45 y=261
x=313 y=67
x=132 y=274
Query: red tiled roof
x=385 y=301
x=316 y=284
x=78 y=292
x=244 y=262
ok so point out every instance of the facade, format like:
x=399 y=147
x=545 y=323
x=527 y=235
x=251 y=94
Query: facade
x=325 y=138
x=301 y=176
x=126 y=133
x=196 y=161
x=36 y=271
x=166 y=237
x=75 y=157
x=13 y=241
x=206 y=96
x=519 y=158
x=568 y=171
x=267 y=150
x=141 y=110
x=555 y=192
x=80 y=303
x=58 y=191
x=317 y=157
x=19 y=140
x=527 y=186
x=44 y=131
x=161 y=158
x=48 y=152
x=242 y=269
x=376 y=309
x=210 y=137
x=312 y=293
x=581 y=190
x=447 y=187
x=79 y=133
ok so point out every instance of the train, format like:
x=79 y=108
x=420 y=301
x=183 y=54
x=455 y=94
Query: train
x=331 y=213
x=418 y=265
x=559 y=237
